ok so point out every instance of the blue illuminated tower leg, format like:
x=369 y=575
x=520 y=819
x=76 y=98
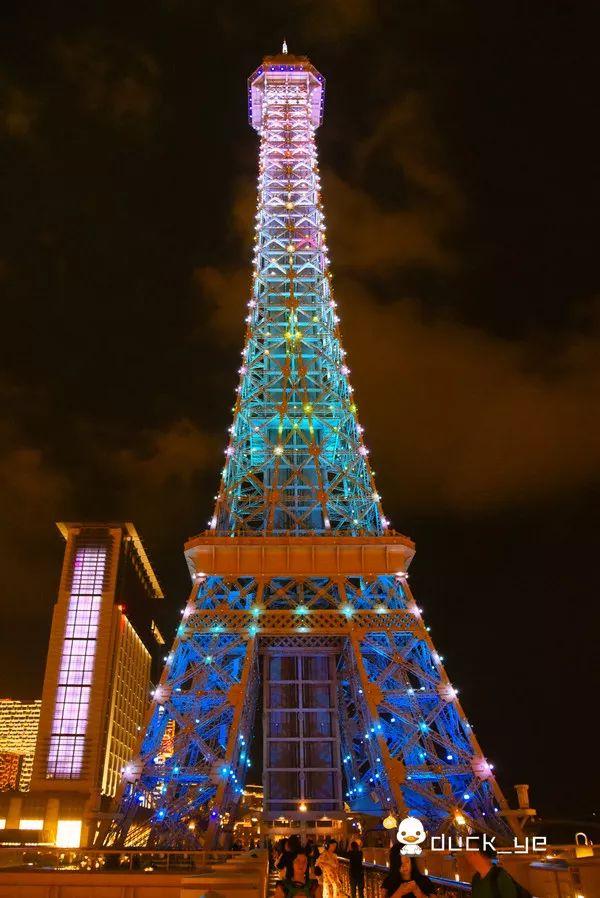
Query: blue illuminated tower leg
x=242 y=699
x=415 y=751
x=208 y=691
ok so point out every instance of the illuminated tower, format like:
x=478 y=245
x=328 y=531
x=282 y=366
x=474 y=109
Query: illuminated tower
x=300 y=598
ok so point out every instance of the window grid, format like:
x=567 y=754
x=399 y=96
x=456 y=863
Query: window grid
x=71 y=707
x=130 y=696
x=302 y=742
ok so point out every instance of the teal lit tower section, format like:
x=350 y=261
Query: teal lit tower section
x=300 y=597
x=296 y=462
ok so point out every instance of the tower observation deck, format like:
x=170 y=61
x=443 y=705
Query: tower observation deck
x=300 y=600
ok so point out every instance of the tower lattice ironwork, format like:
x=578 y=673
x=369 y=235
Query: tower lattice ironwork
x=299 y=583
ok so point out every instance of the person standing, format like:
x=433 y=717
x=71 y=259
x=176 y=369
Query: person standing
x=286 y=858
x=489 y=880
x=312 y=852
x=330 y=866
x=406 y=881
x=356 y=870
x=298 y=884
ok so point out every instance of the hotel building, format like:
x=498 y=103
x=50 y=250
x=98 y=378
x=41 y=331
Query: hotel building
x=103 y=654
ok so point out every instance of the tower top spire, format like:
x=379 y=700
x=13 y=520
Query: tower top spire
x=284 y=48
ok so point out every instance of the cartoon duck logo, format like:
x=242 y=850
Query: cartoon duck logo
x=411 y=832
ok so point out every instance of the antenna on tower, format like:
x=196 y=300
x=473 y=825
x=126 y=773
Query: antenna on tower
x=284 y=48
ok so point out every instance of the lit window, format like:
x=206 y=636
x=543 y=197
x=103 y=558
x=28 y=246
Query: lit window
x=31 y=824
x=68 y=834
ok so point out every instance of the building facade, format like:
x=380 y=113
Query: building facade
x=19 y=723
x=103 y=652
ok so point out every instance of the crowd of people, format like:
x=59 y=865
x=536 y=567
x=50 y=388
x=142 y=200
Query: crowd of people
x=314 y=872
x=309 y=871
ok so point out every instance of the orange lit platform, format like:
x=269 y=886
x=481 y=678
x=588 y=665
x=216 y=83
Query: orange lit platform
x=294 y=556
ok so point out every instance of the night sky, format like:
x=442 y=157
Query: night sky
x=461 y=182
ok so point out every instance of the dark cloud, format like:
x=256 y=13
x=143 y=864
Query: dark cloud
x=18 y=112
x=470 y=423
x=110 y=78
x=406 y=138
x=336 y=19
x=366 y=236
x=32 y=493
x=397 y=208
x=224 y=292
x=159 y=474
x=175 y=453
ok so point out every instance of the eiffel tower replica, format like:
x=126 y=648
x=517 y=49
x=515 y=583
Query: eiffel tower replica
x=300 y=601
